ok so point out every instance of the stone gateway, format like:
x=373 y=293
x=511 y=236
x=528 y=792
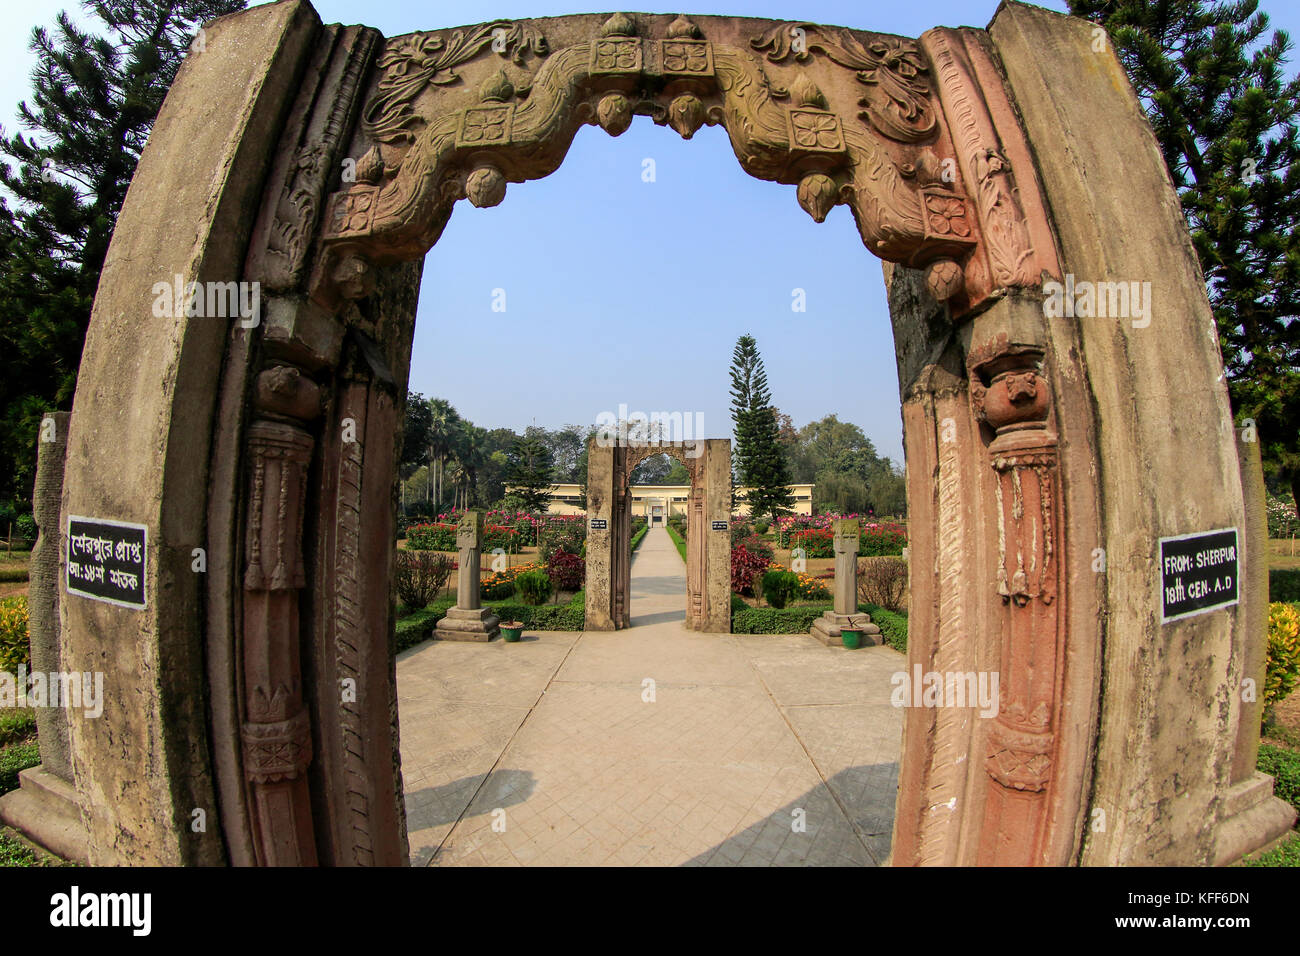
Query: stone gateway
x=322 y=162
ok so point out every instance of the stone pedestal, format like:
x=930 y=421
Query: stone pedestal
x=845 y=614
x=468 y=620
x=468 y=624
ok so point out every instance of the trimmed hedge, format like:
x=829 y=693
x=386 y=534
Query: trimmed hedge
x=678 y=540
x=416 y=628
x=636 y=538
x=798 y=620
x=893 y=627
x=1284 y=584
x=1284 y=767
x=545 y=617
x=770 y=620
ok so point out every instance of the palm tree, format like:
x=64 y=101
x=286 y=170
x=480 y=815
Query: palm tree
x=443 y=425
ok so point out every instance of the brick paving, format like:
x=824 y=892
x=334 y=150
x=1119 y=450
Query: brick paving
x=650 y=746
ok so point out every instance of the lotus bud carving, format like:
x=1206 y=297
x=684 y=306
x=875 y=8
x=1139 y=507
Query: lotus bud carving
x=686 y=115
x=614 y=113
x=817 y=194
x=485 y=186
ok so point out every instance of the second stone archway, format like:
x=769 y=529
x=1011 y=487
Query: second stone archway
x=609 y=531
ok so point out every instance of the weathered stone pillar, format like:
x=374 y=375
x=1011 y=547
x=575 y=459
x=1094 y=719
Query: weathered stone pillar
x=1250 y=813
x=602 y=495
x=43 y=593
x=716 y=471
x=46 y=806
x=468 y=620
x=144 y=422
x=846 y=539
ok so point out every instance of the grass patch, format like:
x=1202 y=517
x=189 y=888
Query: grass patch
x=1284 y=767
x=14 y=759
x=13 y=853
x=16 y=725
x=678 y=541
x=1287 y=854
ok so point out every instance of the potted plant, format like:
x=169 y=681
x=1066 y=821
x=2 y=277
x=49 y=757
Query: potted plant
x=851 y=637
x=511 y=630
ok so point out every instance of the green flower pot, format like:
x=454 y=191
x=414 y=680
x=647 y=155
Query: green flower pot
x=852 y=639
x=512 y=631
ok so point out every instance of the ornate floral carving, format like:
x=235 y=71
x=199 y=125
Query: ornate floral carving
x=897 y=102
x=1006 y=236
x=413 y=62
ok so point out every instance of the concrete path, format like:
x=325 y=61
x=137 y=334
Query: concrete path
x=651 y=746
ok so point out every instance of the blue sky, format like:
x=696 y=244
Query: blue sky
x=623 y=292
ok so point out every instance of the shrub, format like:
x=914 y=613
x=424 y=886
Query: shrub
x=14 y=646
x=419 y=576
x=1284 y=584
x=638 y=535
x=744 y=568
x=780 y=587
x=678 y=523
x=418 y=627
x=1284 y=767
x=815 y=542
x=1283 y=653
x=770 y=620
x=533 y=587
x=756 y=545
x=893 y=627
x=761 y=526
x=1282 y=521
x=881 y=539
x=551 y=617
x=566 y=571
x=25 y=527
x=501 y=584
x=431 y=537
x=883 y=582
x=569 y=536
x=740 y=530
x=16 y=724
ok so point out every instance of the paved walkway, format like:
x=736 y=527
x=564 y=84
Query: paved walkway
x=652 y=746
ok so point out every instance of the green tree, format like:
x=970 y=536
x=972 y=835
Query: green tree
x=95 y=94
x=1212 y=83
x=761 y=465
x=444 y=426
x=530 y=474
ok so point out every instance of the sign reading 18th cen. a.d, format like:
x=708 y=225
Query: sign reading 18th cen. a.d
x=1198 y=573
x=106 y=560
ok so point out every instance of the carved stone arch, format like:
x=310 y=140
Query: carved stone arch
x=1047 y=455
x=448 y=120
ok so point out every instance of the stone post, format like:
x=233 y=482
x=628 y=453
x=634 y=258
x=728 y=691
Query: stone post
x=47 y=499
x=45 y=807
x=468 y=620
x=845 y=613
